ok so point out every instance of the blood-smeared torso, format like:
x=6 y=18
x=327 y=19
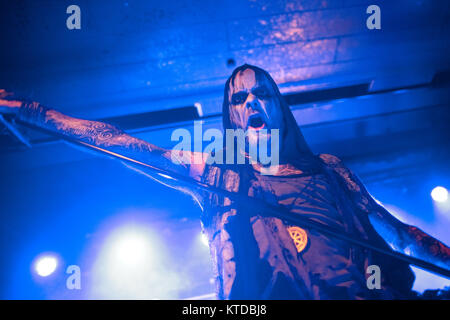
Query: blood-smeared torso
x=262 y=257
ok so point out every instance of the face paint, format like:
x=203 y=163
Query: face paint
x=254 y=105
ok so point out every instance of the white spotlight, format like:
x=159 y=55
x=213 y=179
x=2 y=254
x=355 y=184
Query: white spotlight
x=204 y=239
x=131 y=248
x=439 y=194
x=46 y=265
x=133 y=263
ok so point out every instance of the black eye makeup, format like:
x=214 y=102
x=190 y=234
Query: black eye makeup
x=239 y=98
x=261 y=92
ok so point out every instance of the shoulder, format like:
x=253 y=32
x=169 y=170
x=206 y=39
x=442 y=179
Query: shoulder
x=341 y=170
x=353 y=184
x=330 y=159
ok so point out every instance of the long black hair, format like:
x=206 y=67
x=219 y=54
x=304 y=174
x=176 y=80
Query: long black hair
x=292 y=134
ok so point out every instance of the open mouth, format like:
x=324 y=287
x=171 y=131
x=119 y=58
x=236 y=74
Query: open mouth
x=255 y=121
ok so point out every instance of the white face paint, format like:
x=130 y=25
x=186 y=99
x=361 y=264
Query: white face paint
x=254 y=105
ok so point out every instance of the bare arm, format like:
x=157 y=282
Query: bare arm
x=98 y=134
x=401 y=236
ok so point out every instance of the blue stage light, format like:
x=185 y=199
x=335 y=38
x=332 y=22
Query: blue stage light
x=439 y=194
x=46 y=265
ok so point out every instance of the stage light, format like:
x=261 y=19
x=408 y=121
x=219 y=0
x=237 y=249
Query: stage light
x=46 y=265
x=204 y=239
x=439 y=194
x=131 y=248
x=133 y=263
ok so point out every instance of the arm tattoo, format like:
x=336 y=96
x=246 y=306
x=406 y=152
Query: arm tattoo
x=400 y=235
x=424 y=243
x=108 y=137
x=93 y=132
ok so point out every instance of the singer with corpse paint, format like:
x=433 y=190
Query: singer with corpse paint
x=262 y=256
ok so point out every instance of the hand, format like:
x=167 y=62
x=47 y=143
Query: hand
x=8 y=106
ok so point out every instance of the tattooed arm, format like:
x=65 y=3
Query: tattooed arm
x=409 y=239
x=98 y=134
x=403 y=237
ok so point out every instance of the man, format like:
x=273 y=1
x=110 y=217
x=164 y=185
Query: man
x=258 y=255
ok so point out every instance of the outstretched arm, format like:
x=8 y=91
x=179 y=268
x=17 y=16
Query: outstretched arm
x=96 y=133
x=401 y=236
x=409 y=239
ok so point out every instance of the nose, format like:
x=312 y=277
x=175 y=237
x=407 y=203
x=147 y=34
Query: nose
x=252 y=102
